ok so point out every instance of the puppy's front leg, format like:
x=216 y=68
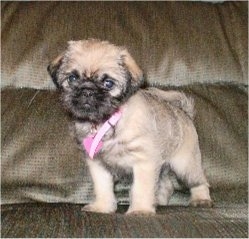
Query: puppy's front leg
x=143 y=189
x=105 y=201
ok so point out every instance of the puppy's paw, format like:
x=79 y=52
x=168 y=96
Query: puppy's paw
x=201 y=203
x=141 y=213
x=95 y=207
x=147 y=211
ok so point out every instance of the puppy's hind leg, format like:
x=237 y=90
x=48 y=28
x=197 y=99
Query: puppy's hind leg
x=188 y=168
x=193 y=176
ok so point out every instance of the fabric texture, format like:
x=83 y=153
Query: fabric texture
x=175 y=43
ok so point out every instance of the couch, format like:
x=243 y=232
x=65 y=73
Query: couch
x=200 y=48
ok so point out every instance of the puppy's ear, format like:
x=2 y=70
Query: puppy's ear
x=53 y=68
x=137 y=78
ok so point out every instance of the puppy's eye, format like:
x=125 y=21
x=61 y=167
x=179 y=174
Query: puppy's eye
x=72 y=78
x=108 y=83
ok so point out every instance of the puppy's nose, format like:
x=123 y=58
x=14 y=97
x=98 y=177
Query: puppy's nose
x=87 y=92
x=87 y=88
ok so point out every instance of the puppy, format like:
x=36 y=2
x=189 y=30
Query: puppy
x=121 y=124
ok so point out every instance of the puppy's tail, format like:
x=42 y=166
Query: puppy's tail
x=187 y=105
x=177 y=99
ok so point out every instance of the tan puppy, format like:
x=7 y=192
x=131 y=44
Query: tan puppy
x=152 y=135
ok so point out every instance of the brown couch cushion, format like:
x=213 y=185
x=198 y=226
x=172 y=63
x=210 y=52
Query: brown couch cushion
x=174 y=42
x=40 y=160
x=68 y=221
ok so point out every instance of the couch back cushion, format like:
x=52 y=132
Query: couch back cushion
x=175 y=43
x=40 y=160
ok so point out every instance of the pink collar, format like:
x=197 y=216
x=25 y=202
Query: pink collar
x=93 y=143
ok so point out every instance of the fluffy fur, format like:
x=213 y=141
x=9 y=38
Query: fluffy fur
x=154 y=135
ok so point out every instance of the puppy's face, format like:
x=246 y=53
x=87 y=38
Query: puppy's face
x=95 y=78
